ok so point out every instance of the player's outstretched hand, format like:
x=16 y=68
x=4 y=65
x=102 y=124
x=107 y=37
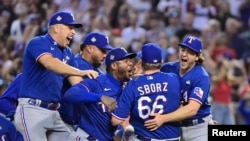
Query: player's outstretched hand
x=90 y=73
x=109 y=102
x=155 y=122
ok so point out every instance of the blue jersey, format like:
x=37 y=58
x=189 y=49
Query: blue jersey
x=95 y=117
x=8 y=131
x=39 y=82
x=154 y=93
x=195 y=85
x=69 y=111
x=8 y=100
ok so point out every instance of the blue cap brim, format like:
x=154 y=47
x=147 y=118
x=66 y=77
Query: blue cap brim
x=139 y=54
x=76 y=25
x=107 y=47
x=129 y=55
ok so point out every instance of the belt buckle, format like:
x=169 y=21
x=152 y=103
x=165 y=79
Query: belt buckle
x=32 y=101
x=195 y=122
x=35 y=102
x=186 y=123
x=50 y=106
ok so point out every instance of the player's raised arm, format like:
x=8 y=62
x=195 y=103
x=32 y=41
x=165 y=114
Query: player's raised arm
x=47 y=62
x=79 y=93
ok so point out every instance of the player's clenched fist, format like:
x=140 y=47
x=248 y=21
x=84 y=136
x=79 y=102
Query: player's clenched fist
x=90 y=73
x=109 y=102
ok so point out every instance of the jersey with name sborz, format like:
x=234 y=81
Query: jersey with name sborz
x=155 y=93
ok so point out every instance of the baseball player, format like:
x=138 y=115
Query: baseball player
x=195 y=114
x=8 y=131
x=153 y=92
x=95 y=117
x=47 y=61
x=93 y=50
x=125 y=132
x=8 y=103
x=8 y=100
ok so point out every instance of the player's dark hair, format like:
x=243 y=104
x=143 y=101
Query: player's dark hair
x=82 y=46
x=201 y=59
x=147 y=66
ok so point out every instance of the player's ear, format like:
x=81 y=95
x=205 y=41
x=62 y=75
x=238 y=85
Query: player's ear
x=89 y=48
x=55 y=28
x=113 y=66
x=197 y=58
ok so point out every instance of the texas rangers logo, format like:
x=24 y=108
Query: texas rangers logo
x=198 y=91
x=191 y=39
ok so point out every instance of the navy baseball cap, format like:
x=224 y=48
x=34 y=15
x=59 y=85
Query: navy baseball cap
x=139 y=54
x=118 y=54
x=66 y=18
x=193 y=43
x=151 y=53
x=98 y=39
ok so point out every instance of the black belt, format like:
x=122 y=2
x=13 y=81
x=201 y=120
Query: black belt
x=186 y=123
x=143 y=138
x=91 y=138
x=43 y=104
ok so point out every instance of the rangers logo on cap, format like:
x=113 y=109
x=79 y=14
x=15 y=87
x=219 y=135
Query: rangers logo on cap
x=193 y=43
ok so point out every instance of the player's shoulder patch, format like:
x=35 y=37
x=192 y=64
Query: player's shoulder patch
x=198 y=91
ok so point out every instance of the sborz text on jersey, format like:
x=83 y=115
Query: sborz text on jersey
x=152 y=88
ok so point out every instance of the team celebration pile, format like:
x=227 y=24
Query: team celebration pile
x=124 y=70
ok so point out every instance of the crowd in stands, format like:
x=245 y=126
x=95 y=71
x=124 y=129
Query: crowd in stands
x=223 y=26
